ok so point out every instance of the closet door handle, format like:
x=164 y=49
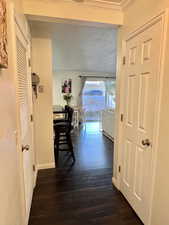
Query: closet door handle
x=146 y=142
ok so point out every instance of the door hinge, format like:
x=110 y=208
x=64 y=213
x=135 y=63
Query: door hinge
x=16 y=136
x=124 y=60
x=34 y=168
x=29 y=62
x=119 y=169
x=31 y=118
x=122 y=117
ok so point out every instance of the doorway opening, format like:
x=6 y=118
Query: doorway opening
x=84 y=69
x=138 y=93
x=74 y=60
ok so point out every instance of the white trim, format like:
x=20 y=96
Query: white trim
x=11 y=20
x=19 y=34
x=107 y=135
x=144 y=27
x=22 y=34
x=21 y=26
x=45 y=166
x=105 y=4
x=163 y=17
x=114 y=182
x=35 y=175
x=119 y=110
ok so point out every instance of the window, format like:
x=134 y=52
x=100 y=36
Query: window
x=98 y=96
x=94 y=99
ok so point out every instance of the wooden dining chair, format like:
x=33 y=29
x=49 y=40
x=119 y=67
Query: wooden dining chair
x=63 y=140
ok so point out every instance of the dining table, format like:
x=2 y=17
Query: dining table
x=58 y=112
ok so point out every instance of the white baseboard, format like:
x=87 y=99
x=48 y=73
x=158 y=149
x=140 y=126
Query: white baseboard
x=108 y=136
x=35 y=175
x=45 y=166
x=114 y=182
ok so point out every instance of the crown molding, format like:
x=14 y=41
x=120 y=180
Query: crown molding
x=105 y=4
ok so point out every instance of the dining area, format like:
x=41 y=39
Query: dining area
x=65 y=120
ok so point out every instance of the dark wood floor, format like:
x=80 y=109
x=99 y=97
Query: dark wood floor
x=81 y=194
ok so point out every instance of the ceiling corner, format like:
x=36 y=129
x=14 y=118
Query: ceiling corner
x=125 y=3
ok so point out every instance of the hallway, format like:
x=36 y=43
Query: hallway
x=81 y=194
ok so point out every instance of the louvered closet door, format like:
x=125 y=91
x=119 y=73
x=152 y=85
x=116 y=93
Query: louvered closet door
x=25 y=126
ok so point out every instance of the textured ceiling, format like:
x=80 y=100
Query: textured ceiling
x=83 y=48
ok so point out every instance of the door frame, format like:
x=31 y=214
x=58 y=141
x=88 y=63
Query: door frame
x=163 y=17
x=12 y=22
x=18 y=21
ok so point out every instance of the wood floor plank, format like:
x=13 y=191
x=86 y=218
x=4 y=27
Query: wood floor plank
x=82 y=194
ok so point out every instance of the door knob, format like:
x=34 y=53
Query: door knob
x=146 y=142
x=25 y=148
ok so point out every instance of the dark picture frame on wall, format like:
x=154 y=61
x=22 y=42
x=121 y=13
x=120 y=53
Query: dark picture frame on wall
x=3 y=35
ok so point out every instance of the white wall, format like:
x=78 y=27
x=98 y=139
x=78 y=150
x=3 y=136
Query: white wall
x=135 y=15
x=43 y=116
x=58 y=77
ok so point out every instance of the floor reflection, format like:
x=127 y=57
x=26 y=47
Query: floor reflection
x=92 y=149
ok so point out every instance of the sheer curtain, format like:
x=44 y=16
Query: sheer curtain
x=110 y=93
x=83 y=80
x=80 y=103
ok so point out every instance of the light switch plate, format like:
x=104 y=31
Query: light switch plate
x=41 y=88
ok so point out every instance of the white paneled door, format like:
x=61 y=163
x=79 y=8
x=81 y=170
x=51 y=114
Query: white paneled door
x=141 y=83
x=25 y=111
